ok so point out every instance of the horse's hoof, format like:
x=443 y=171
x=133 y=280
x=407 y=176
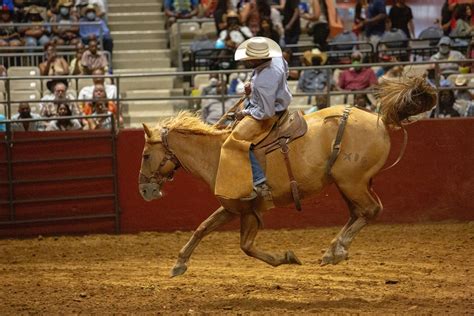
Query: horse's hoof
x=340 y=254
x=327 y=258
x=292 y=258
x=178 y=269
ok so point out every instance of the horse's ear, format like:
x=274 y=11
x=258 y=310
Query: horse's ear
x=147 y=130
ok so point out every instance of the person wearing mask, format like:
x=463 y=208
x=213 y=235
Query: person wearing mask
x=95 y=30
x=24 y=112
x=64 y=123
x=446 y=53
x=357 y=77
x=66 y=33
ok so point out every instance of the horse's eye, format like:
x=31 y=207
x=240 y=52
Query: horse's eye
x=146 y=157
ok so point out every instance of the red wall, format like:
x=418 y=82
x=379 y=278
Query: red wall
x=434 y=181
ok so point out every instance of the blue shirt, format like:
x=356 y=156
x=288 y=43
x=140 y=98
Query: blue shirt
x=181 y=6
x=270 y=91
x=85 y=30
x=375 y=8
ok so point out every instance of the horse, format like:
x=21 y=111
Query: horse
x=184 y=141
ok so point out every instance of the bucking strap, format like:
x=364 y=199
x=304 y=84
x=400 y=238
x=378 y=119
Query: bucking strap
x=293 y=184
x=336 y=147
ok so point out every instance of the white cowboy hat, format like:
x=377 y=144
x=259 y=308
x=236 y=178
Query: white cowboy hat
x=257 y=48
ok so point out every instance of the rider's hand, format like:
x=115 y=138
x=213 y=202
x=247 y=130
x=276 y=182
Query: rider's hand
x=248 y=88
x=239 y=115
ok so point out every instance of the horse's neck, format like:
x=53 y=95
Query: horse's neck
x=199 y=154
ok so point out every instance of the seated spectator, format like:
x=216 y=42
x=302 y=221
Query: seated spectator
x=58 y=87
x=393 y=72
x=87 y=92
x=99 y=93
x=463 y=96
x=66 y=34
x=445 y=105
x=99 y=28
x=235 y=33
x=180 y=9
x=24 y=112
x=291 y=21
x=463 y=27
x=92 y=59
x=37 y=34
x=211 y=89
x=53 y=65
x=22 y=6
x=99 y=107
x=213 y=109
x=446 y=53
x=9 y=35
x=64 y=123
x=267 y=30
x=201 y=41
x=236 y=85
x=75 y=67
x=357 y=77
x=81 y=5
x=314 y=80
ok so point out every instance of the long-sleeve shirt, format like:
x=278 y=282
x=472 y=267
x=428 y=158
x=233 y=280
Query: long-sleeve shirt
x=86 y=30
x=270 y=91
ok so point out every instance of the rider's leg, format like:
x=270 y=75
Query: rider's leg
x=259 y=179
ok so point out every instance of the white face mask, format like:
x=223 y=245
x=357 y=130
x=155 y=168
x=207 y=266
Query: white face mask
x=242 y=76
x=444 y=49
x=213 y=82
x=64 y=11
x=90 y=16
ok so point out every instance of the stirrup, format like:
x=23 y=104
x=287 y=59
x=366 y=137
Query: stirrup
x=264 y=191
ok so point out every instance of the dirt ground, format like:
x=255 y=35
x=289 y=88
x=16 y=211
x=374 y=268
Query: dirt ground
x=392 y=269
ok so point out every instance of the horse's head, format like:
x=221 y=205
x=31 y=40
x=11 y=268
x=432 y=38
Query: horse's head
x=158 y=164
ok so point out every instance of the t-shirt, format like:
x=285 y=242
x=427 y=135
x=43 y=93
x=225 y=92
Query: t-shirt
x=352 y=80
x=400 y=17
x=375 y=8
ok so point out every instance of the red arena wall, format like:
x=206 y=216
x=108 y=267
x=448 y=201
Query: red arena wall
x=433 y=182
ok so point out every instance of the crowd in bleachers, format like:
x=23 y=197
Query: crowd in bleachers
x=69 y=36
x=378 y=34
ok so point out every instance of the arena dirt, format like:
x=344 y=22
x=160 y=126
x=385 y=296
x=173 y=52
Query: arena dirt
x=393 y=269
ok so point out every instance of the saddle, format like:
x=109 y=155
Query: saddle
x=289 y=127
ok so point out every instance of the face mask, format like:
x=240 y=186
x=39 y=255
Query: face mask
x=64 y=11
x=444 y=50
x=242 y=76
x=356 y=65
x=90 y=16
x=213 y=82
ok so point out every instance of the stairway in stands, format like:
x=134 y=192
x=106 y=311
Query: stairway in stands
x=140 y=46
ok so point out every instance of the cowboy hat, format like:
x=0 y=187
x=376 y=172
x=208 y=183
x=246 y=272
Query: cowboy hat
x=90 y=7
x=315 y=52
x=52 y=83
x=64 y=3
x=257 y=48
x=460 y=81
x=32 y=10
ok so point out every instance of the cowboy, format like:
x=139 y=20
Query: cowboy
x=268 y=97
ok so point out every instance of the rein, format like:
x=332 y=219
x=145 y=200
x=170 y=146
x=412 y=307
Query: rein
x=169 y=156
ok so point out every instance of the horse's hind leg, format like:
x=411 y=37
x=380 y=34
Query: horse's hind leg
x=363 y=207
x=218 y=218
x=249 y=224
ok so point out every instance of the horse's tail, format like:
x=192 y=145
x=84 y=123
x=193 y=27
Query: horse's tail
x=400 y=99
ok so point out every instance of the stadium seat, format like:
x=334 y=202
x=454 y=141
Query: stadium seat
x=199 y=80
x=18 y=71
x=415 y=70
x=27 y=85
x=209 y=28
x=293 y=85
x=20 y=95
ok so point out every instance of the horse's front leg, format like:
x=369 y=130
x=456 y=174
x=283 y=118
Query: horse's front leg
x=218 y=218
x=249 y=224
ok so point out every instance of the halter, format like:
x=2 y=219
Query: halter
x=169 y=156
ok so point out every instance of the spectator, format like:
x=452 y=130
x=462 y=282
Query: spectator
x=314 y=80
x=75 y=67
x=267 y=30
x=87 y=92
x=237 y=84
x=288 y=56
x=180 y=9
x=53 y=65
x=99 y=28
x=235 y=33
x=99 y=4
x=447 y=16
x=357 y=77
x=446 y=101
x=66 y=34
x=24 y=112
x=100 y=94
x=254 y=11
x=211 y=89
x=58 y=87
x=463 y=94
x=99 y=107
x=318 y=25
x=401 y=18
x=446 y=53
x=220 y=15
x=64 y=123
x=9 y=35
x=92 y=59
x=214 y=109
x=392 y=72
x=37 y=34
x=201 y=41
x=375 y=22
x=359 y=18
x=291 y=21
x=209 y=7
x=463 y=21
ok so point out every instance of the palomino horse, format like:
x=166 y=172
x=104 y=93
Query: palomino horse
x=186 y=141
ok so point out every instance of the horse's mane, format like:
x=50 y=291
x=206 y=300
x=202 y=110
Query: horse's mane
x=190 y=123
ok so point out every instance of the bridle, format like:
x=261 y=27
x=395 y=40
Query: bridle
x=158 y=177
